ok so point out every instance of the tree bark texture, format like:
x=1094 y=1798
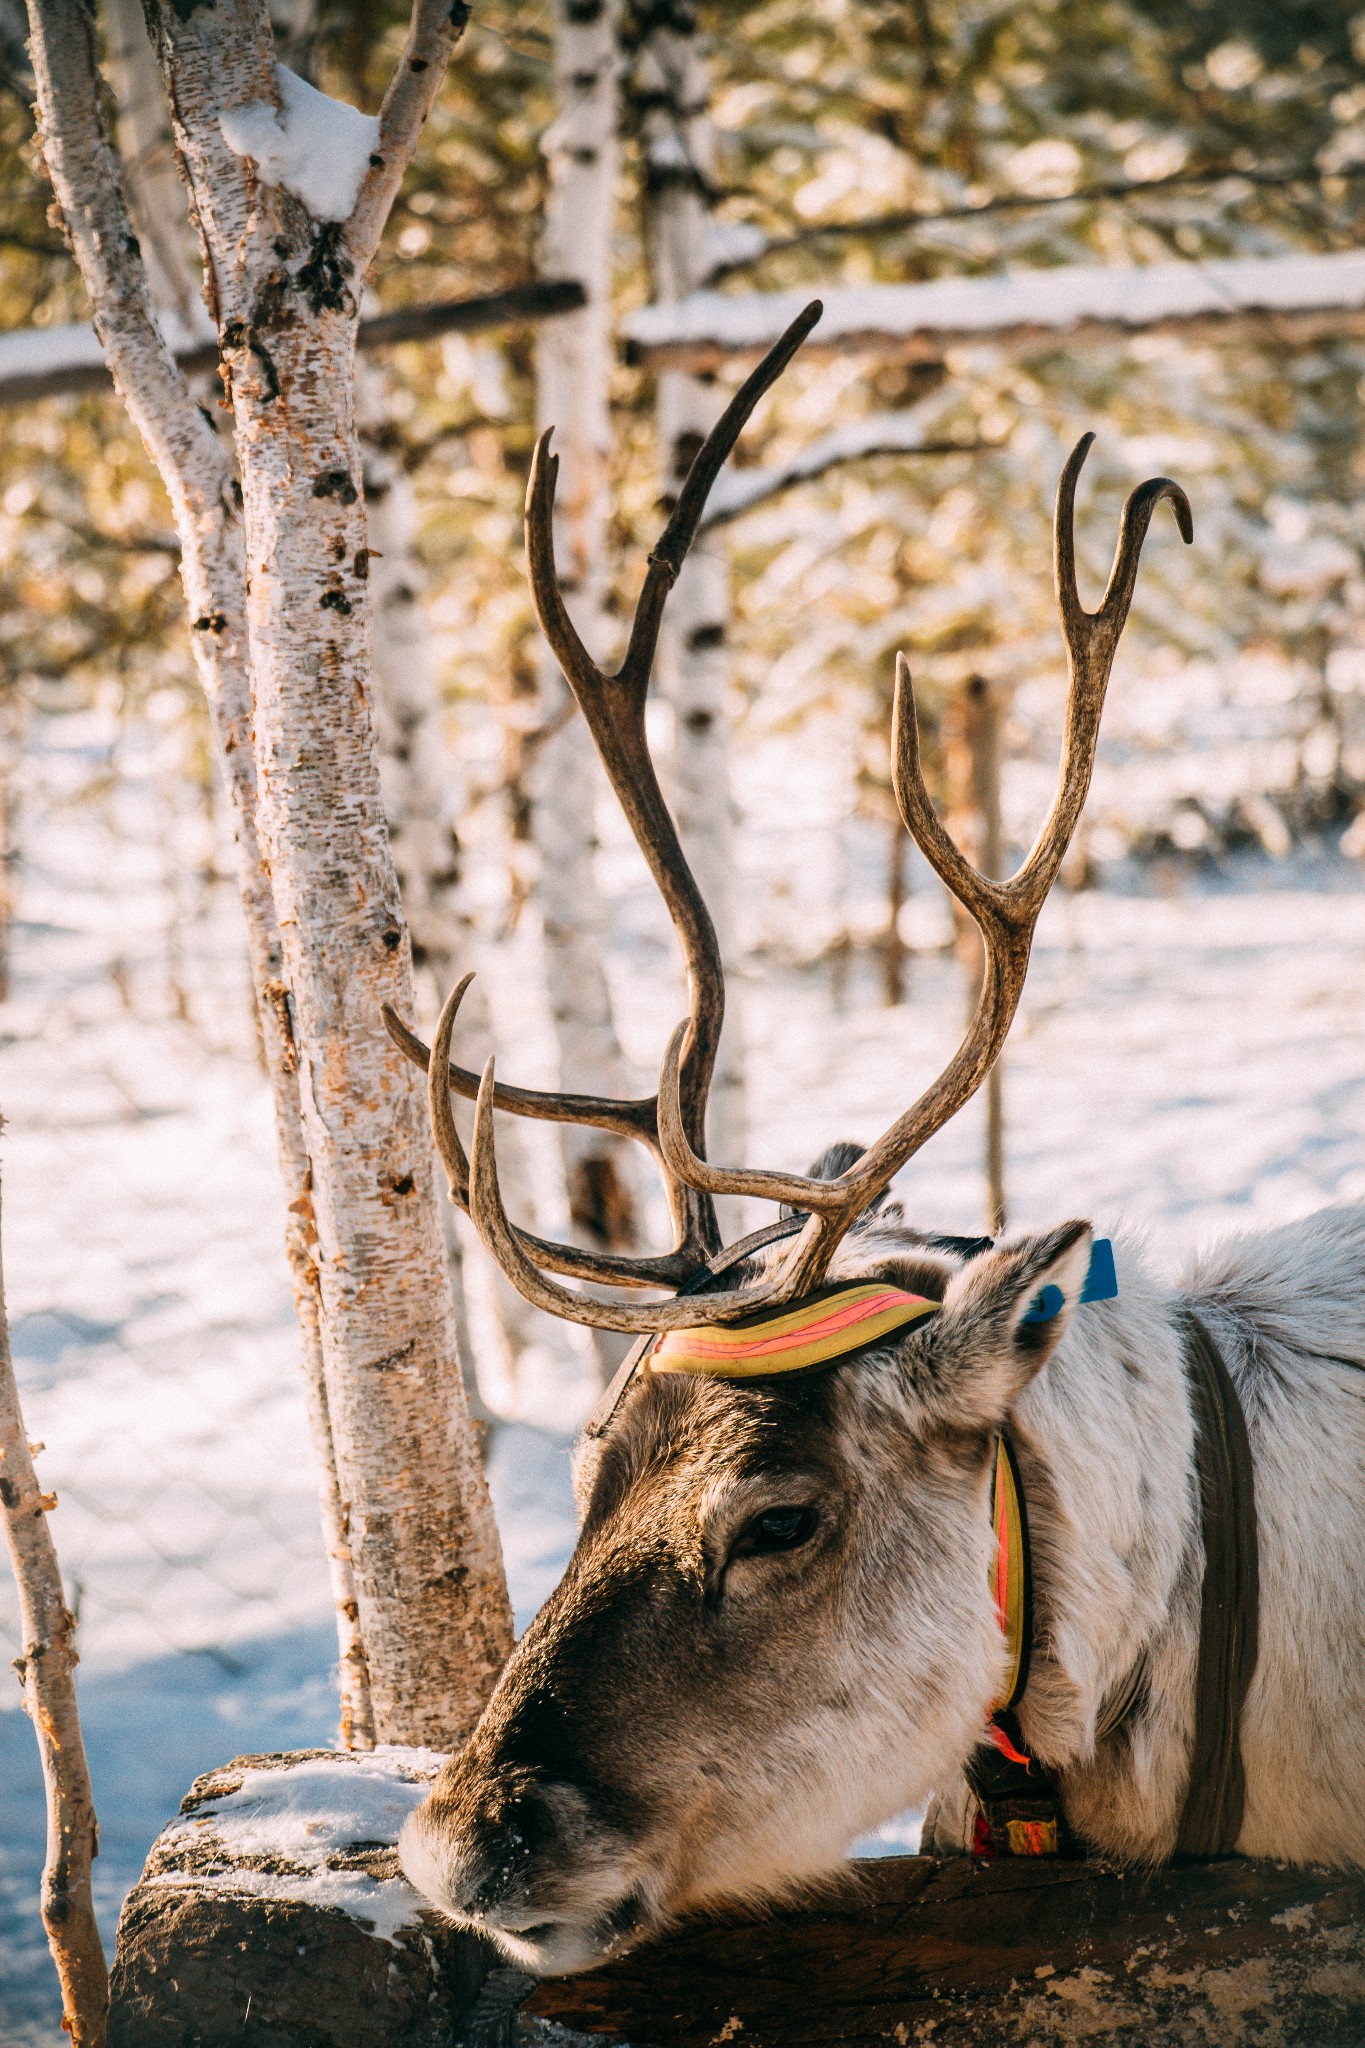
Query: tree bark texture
x=198 y=476
x=425 y=797
x=285 y=288
x=672 y=90
x=573 y=363
x=429 y=1585
x=46 y=1667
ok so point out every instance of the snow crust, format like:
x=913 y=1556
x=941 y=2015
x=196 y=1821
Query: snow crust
x=1064 y=297
x=314 y=1815
x=316 y=147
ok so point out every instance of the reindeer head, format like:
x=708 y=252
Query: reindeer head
x=776 y=1628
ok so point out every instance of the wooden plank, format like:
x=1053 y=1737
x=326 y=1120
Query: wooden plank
x=1040 y=1952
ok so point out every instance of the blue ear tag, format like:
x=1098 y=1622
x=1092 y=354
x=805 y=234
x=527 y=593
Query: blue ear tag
x=1101 y=1284
x=1044 y=1305
x=1102 y=1281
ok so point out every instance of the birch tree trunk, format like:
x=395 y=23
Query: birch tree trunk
x=283 y=287
x=213 y=569
x=425 y=797
x=46 y=1666
x=573 y=365
x=672 y=91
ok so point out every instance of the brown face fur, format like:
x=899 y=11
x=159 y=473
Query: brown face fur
x=774 y=1632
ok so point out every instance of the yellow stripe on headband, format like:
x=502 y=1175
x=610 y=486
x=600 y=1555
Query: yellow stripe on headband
x=1009 y=1579
x=827 y=1325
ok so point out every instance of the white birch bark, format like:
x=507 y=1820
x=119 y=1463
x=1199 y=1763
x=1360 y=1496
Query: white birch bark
x=156 y=197
x=46 y=1666
x=573 y=364
x=425 y=797
x=672 y=90
x=429 y=1582
x=213 y=568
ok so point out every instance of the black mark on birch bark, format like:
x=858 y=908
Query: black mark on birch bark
x=211 y=622
x=276 y=995
x=266 y=361
x=322 y=279
x=335 y=601
x=336 y=483
x=390 y=1358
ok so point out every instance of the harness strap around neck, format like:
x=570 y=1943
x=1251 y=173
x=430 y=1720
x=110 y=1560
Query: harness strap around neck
x=1229 y=1602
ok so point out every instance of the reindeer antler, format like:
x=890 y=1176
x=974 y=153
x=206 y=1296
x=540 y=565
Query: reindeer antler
x=671 y=1123
x=614 y=707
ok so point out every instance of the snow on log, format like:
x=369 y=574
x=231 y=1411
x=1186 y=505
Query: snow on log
x=49 y=362
x=1297 y=296
x=273 y=1910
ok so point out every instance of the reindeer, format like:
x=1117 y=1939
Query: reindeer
x=785 y=1617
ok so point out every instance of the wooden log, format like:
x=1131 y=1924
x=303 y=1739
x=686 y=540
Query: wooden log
x=272 y=1914
x=1043 y=1953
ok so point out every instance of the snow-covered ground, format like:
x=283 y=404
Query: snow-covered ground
x=1193 y=1060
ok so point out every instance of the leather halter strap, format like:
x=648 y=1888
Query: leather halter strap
x=1229 y=1601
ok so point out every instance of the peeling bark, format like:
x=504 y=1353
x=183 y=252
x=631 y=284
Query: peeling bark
x=198 y=475
x=46 y=1668
x=282 y=288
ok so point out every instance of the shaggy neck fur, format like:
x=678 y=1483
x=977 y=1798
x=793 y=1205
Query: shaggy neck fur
x=1106 y=1443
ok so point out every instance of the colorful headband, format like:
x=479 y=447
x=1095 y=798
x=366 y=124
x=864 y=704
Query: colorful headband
x=834 y=1322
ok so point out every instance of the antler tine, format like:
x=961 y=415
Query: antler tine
x=669 y=1271
x=670 y=550
x=1092 y=640
x=627 y=1118
x=509 y=1247
x=449 y=1149
x=835 y=1203
x=614 y=708
x=798 y=1188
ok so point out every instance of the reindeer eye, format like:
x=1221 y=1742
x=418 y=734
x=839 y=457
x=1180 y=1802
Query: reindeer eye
x=776 y=1529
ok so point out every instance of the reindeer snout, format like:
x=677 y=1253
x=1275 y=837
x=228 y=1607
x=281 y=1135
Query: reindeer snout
x=524 y=1861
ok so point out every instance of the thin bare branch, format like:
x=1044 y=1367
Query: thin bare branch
x=433 y=31
x=46 y=1669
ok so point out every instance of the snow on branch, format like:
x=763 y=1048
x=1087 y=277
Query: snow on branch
x=315 y=147
x=923 y=319
x=881 y=433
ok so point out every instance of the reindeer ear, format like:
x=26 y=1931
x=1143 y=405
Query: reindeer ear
x=1003 y=1316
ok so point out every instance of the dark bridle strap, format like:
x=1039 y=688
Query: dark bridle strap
x=1229 y=1602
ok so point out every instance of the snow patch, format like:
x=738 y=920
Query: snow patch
x=317 y=148
x=328 y=1819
